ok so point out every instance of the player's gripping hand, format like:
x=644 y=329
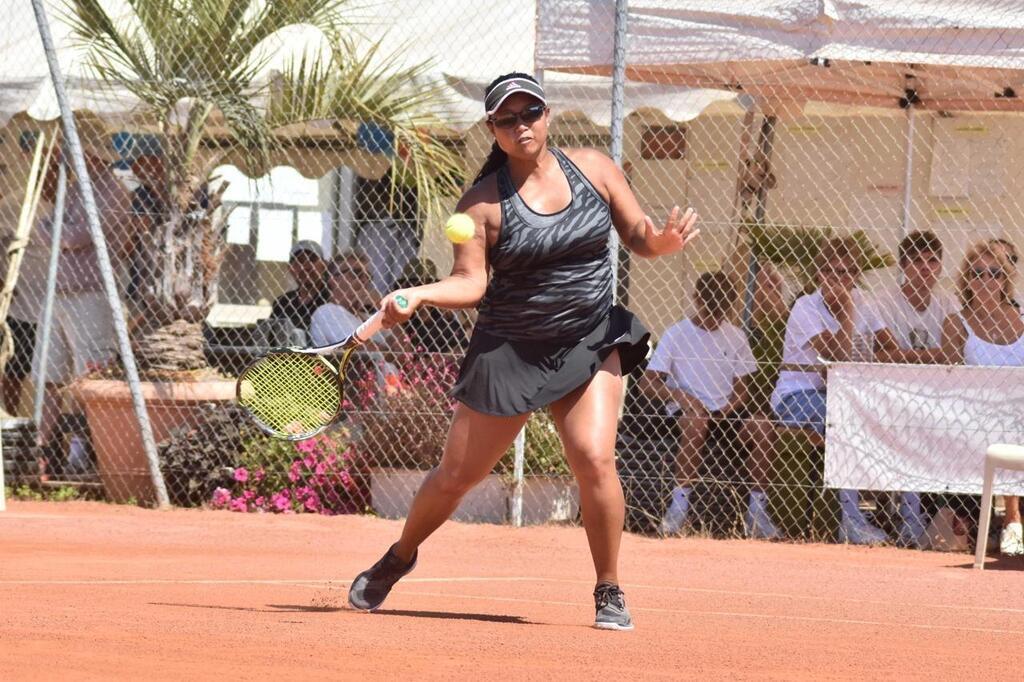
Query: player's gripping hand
x=399 y=306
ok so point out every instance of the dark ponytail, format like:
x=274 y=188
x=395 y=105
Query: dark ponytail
x=495 y=160
x=498 y=158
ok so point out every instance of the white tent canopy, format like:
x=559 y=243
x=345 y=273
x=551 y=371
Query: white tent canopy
x=954 y=54
x=25 y=84
x=416 y=31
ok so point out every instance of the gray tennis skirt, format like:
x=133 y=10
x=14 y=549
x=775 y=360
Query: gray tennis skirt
x=502 y=377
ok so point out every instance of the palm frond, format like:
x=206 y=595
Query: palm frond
x=368 y=87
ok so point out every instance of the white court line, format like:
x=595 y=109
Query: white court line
x=733 y=614
x=320 y=583
x=307 y=582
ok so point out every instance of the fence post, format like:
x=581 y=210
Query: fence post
x=519 y=450
x=51 y=290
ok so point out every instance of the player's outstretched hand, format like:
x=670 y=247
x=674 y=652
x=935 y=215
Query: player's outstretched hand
x=395 y=312
x=679 y=230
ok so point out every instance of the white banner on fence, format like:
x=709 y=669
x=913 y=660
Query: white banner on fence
x=921 y=428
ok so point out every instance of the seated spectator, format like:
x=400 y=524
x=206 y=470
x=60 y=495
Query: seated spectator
x=350 y=301
x=699 y=369
x=1008 y=251
x=834 y=323
x=914 y=312
x=989 y=331
x=430 y=330
x=306 y=267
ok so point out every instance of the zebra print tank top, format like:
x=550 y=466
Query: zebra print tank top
x=551 y=274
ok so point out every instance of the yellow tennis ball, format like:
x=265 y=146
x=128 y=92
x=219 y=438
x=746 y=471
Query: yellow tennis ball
x=460 y=228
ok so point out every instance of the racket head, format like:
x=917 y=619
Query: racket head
x=293 y=395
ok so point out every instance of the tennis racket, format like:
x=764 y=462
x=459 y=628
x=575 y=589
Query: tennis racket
x=296 y=393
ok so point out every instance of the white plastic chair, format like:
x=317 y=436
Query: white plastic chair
x=998 y=456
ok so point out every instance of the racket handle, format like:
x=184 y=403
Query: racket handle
x=375 y=322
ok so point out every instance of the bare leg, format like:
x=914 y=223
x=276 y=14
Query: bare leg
x=1012 y=504
x=587 y=420
x=476 y=442
x=758 y=434
x=693 y=426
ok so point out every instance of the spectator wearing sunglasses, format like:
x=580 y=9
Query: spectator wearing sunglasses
x=989 y=331
x=350 y=300
x=1009 y=252
x=835 y=323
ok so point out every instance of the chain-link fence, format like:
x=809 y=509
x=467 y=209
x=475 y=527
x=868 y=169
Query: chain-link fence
x=265 y=171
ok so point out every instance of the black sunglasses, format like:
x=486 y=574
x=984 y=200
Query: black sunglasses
x=987 y=273
x=530 y=114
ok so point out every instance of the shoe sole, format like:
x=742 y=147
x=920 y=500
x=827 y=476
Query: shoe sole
x=613 y=626
x=371 y=609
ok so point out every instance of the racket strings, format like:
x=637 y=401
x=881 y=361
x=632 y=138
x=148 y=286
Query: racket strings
x=291 y=393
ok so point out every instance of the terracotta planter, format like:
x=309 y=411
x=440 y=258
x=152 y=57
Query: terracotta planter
x=115 y=430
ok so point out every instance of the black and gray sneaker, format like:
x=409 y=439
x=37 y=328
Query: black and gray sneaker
x=612 y=613
x=371 y=587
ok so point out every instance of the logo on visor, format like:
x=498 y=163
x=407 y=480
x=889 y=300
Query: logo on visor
x=513 y=85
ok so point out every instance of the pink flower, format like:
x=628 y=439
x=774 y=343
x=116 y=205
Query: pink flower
x=306 y=446
x=259 y=475
x=260 y=502
x=221 y=497
x=346 y=479
x=249 y=495
x=241 y=474
x=312 y=502
x=281 y=500
x=239 y=505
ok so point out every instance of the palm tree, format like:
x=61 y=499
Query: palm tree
x=211 y=54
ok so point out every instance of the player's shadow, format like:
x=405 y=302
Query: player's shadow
x=270 y=608
x=306 y=608
x=456 y=615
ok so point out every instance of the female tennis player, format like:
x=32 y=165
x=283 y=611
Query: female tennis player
x=547 y=334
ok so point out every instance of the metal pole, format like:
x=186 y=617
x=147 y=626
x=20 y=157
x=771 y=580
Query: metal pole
x=765 y=142
x=51 y=290
x=908 y=178
x=618 y=114
x=519 y=447
x=85 y=184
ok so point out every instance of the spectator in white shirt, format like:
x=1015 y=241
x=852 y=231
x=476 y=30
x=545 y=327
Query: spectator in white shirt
x=699 y=369
x=914 y=312
x=1007 y=250
x=989 y=331
x=832 y=324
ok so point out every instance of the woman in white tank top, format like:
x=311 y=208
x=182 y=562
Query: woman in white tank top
x=989 y=330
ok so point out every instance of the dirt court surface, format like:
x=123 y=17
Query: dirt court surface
x=94 y=591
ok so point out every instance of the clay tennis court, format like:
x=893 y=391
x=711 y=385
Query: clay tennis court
x=96 y=591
